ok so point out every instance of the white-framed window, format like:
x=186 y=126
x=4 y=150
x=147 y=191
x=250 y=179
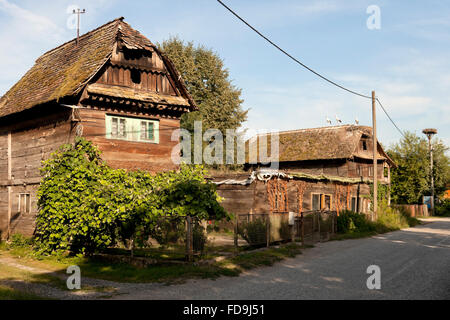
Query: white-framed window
x=24 y=205
x=132 y=129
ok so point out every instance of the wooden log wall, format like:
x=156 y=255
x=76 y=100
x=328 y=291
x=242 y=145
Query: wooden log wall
x=30 y=143
x=253 y=198
x=129 y=154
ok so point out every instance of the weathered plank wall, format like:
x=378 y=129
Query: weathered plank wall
x=253 y=198
x=149 y=68
x=31 y=142
x=128 y=154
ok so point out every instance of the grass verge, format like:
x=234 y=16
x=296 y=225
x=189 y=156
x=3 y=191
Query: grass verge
x=166 y=273
x=8 y=293
x=351 y=225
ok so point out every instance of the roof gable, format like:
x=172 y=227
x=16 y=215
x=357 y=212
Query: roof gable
x=65 y=70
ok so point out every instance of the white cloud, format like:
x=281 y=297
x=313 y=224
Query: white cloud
x=33 y=22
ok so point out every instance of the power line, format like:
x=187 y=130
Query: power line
x=306 y=67
x=379 y=102
x=290 y=56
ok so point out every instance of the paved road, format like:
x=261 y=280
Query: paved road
x=415 y=264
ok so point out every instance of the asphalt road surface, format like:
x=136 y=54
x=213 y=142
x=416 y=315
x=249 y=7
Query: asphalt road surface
x=414 y=264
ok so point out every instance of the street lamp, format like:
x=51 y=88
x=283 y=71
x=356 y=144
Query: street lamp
x=430 y=132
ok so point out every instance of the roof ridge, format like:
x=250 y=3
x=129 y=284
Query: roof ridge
x=316 y=128
x=80 y=37
x=136 y=31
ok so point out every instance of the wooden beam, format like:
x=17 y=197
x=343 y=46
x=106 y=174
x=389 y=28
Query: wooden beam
x=8 y=232
x=9 y=188
x=375 y=151
x=9 y=156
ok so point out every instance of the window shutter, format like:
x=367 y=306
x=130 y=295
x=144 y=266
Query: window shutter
x=150 y=130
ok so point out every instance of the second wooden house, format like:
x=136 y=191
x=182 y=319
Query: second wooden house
x=328 y=168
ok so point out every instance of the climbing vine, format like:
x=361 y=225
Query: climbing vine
x=277 y=194
x=301 y=186
x=85 y=206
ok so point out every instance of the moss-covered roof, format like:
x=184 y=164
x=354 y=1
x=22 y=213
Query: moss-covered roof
x=325 y=143
x=65 y=70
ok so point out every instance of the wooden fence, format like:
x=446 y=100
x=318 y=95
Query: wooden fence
x=415 y=210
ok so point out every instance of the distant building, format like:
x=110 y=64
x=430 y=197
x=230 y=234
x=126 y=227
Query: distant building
x=329 y=168
x=447 y=192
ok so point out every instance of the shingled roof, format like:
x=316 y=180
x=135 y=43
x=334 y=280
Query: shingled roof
x=65 y=70
x=325 y=143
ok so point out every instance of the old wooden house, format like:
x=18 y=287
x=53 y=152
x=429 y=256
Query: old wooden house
x=112 y=86
x=329 y=168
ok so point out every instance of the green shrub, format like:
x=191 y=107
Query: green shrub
x=254 y=232
x=443 y=209
x=388 y=219
x=394 y=219
x=285 y=230
x=349 y=222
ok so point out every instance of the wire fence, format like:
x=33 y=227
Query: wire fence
x=190 y=239
x=257 y=230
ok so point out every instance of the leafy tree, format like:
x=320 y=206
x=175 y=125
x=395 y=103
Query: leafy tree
x=411 y=180
x=86 y=206
x=207 y=80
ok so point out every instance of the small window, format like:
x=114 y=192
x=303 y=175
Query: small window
x=358 y=170
x=316 y=201
x=118 y=128
x=386 y=172
x=370 y=171
x=327 y=202
x=147 y=130
x=364 y=145
x=321 y=201
x=24 y=205
x=354 y=204
x=135 y=76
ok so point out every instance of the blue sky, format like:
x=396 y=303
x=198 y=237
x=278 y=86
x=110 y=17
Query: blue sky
x=406 y=61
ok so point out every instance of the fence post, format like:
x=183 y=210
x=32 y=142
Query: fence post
x=267 y=230
x=332 y=223
x=189 y=239
x=318 y=225
x=303 y=229
x=293 y=232
x=236 y=226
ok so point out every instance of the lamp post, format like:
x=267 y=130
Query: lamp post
x=430 y=132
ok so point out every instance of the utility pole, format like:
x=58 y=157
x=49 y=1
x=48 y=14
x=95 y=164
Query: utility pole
x=78 y=12
x=375 y=171
x=429 y=133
